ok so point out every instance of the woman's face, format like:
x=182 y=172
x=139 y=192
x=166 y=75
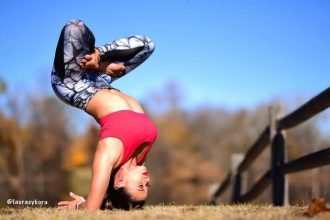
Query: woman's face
x=137 y=182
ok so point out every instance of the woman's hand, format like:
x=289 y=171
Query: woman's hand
x=73 y=204
x=91 y=61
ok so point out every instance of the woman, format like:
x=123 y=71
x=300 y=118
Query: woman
x=81 y=77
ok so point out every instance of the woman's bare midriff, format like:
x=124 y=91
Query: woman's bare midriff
x=107 y=101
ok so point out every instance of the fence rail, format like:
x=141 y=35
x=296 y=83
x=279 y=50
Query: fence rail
x=272 y=135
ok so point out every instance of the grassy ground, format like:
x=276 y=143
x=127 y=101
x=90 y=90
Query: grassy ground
x=165 y=212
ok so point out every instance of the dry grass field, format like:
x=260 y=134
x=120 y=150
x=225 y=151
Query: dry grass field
x=226 y=212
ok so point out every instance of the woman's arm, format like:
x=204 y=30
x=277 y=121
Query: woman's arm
x=106 y=158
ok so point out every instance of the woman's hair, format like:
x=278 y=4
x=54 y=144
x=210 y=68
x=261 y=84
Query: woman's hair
x=119 y=198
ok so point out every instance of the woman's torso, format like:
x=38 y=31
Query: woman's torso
x=109 y=104
x=107 y=101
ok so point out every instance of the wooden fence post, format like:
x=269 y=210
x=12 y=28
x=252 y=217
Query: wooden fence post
x=277 y=159
x=278 y=179
x=237 y=191
x=236 y=159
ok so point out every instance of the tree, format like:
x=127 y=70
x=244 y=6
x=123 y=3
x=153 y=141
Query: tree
x=3 y=86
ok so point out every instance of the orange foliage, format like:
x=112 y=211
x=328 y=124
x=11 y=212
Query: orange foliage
x=76 y=154
x=318 y=207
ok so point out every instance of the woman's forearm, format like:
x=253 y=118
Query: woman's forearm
x=102 y=167
x=97 y=190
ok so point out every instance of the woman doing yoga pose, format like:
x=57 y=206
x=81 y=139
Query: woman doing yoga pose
x=82 y=77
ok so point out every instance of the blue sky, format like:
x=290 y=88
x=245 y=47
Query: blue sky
x=228 y=53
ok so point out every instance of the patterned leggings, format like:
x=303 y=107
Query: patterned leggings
x=76 y=86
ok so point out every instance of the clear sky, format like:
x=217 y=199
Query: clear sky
x=234 y=53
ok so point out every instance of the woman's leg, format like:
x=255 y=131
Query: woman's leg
x=72 y=84
x=76 y=40
x=130 y=52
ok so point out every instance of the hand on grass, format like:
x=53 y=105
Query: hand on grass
x=77 y=200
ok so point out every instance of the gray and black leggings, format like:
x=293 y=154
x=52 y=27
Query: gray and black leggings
x=76 y=86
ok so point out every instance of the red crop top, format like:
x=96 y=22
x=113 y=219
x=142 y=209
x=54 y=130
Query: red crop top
x=133 y=129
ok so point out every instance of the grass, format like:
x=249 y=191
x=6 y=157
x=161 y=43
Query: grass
x=225 y=212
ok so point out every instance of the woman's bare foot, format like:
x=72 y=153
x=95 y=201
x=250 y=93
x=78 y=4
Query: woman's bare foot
x=112 y=69
x=91 y=61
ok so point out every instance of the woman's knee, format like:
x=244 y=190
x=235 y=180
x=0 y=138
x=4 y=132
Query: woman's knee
x=75 y=28
x=151 y=44
x=77 y=33
x=146 y=41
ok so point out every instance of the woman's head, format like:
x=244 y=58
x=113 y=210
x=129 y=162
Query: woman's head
x=129 y=187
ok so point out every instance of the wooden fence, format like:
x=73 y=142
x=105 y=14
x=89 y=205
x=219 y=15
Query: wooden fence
x=272 y=135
